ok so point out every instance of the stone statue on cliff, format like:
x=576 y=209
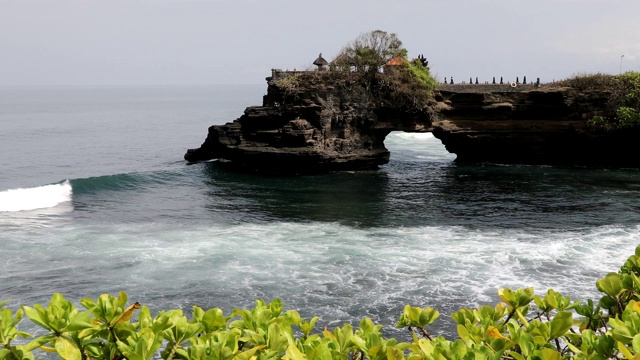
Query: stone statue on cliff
x=423 y=60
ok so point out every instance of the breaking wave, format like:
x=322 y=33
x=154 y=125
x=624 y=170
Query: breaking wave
x=47 y=196
x=40 y=197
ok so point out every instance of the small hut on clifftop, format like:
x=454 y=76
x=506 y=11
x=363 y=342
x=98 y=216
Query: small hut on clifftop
x=321 y=63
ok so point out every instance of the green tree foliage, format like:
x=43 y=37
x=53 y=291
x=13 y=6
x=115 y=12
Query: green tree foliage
x=522 y=326
x=363 y=71
x=388 y=75
x=421 y=73
x=370 y=51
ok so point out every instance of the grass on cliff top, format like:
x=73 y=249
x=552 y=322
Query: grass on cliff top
x=627 y=84
x=585 y=81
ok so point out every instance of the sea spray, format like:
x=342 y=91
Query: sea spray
x=41 y=197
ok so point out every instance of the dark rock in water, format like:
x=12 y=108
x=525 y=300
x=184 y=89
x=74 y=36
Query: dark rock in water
x=530 y=125
x=318 y=124
x=323 y=121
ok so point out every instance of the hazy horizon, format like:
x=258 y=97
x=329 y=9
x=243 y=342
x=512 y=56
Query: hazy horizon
x=201 y=42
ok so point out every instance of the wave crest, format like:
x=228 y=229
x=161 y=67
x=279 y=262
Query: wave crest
x=39 y=197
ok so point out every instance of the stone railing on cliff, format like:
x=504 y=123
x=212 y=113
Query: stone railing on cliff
x=321 y=124
x=278 y=74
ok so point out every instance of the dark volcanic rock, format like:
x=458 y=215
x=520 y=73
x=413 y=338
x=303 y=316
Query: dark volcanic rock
x=317 y=122
x=312 y=123
x=529 y=125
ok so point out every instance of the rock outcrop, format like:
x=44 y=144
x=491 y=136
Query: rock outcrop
x=317 y=122
x=308 y=123
x=529 y=125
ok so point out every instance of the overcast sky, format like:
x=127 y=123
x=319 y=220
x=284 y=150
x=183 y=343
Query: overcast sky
x=131 y=42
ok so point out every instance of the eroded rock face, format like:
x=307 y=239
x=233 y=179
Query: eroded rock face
x=529 y=125
x=313 y=126
x=320 y=124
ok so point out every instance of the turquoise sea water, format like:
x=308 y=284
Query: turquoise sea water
x=95 y=198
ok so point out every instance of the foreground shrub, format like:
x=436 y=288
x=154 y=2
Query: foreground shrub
x=523 y=326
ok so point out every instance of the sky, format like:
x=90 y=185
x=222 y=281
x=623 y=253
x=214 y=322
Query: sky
x=189 y=42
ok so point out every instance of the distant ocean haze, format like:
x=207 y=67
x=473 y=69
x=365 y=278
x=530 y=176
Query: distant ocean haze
x=95 y=197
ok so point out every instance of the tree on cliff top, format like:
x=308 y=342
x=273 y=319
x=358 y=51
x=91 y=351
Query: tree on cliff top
x=397 y=83
x=370 y=51
x=364 y=72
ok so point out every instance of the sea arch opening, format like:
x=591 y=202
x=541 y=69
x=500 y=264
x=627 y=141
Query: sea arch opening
x=417 y=147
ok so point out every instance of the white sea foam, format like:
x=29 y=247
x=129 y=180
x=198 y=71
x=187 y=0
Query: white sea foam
x=40 y=197
x=338 y=272
x=398 y=137
x=417 y=147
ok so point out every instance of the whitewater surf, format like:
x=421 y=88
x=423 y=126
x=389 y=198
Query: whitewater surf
x=40 y=197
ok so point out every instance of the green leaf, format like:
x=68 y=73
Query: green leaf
x=394 y=354
x=623 y=334
x=464 y=334
x=39 y=341
x=636 y=343
x=33 y=315
x=366 y=325
x=542 y=304
x=182 y=354
x=246 y=355
x=213 y=319
x=549 y=354
x=122 y=298
x=293 y=353
x=276 y=307
x=560 y=324
x=526 y=344
x=292 y=317
x=18 y=317
x=67 y=349
x=459 y=348
x=58 y=300
x=306 y=327
x=518 y=298
x=79 y=322
x=610 y=285
x=625 y=351
x=88 y=303
x=515 y=355
x=428 y=316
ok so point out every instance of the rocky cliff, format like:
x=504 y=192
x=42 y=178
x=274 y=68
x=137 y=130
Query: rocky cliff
x=312 y=122
x=316 y=122
x=530 y=125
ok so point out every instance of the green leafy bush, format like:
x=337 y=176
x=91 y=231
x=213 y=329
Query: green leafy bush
x=523 y=326
x=627 y=117
x=422 y=74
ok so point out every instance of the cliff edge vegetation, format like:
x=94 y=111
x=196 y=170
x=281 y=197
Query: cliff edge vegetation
x=373 y=67
x=623 y=105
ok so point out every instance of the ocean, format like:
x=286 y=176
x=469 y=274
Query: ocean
x=96 y=198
